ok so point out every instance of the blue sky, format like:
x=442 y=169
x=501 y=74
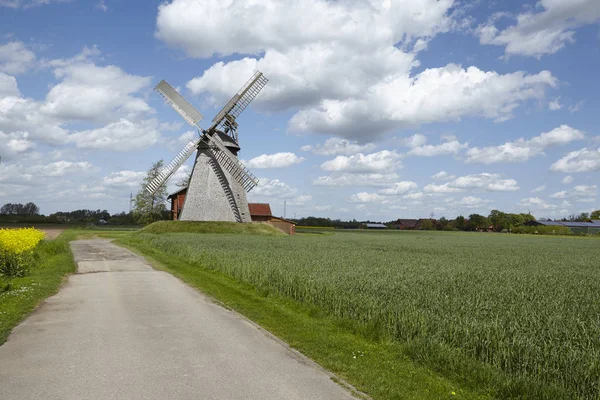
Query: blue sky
x=374 y=110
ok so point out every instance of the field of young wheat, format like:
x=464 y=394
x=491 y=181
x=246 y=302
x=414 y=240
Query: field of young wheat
x=528 y=306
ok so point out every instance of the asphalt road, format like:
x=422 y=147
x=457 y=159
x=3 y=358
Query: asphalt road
x=120 y=330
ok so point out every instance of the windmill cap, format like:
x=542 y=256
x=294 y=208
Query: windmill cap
x=228 y=141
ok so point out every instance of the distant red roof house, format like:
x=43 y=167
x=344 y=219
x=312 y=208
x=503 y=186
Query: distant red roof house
x=407 y=224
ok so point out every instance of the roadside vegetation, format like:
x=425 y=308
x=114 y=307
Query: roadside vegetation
x=39 y=273
x=506 y=315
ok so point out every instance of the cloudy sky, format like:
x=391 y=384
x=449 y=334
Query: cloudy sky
x=375 y=109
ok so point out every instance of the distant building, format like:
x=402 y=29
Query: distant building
x=375 y=226
x=177 y=200
x=261 y=212
x=575 y=227
x=407 y=224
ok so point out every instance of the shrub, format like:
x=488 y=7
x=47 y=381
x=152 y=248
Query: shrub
x=16 y=251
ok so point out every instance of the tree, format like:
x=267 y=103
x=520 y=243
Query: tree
x=20 y=209
x=150 y=207
x=595 y=215
x=427 y=225
x=499 y=220
x=460 y=223
x=477 y=221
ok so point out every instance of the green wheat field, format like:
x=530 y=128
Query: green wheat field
x=528 y=306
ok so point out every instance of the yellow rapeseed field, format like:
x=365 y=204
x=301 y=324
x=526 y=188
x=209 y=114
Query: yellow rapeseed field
x=18 y=241
x=16 y=251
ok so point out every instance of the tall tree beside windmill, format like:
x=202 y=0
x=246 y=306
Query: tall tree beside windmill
x=149 y=206
x=219 y=181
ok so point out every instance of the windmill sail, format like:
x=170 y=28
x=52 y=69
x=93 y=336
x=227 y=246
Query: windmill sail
x=239 y=101
x=172 y=167
x=229 y=162
x=179 y=104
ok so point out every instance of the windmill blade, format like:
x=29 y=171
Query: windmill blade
x=179 y=104
x=240 y=101
x=229 y=162
x=172 y=167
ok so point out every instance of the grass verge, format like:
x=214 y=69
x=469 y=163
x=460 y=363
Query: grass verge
x=254 y=228
x=380 y=368
x=55 y=261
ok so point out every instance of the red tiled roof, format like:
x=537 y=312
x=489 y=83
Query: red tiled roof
x=262 y=209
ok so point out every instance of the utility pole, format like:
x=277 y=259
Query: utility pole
x=284 y=208
x=130 y=200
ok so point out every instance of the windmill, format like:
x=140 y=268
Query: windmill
x=219 y=181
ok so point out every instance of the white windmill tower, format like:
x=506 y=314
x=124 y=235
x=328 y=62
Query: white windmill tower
x=219 y=181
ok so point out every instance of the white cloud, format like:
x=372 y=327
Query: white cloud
x=575 y=107
x=15 y=58
x=8 y=86
x=277 y=160
x=287 y=23
x=86 y=92
x=483 y=181
x=585 y=190
x=537 y=203
x=555 y=104
x=273 y=188
x=364 y=197
x=61 y=168
x=539 y=189
x=124 y=179
x=442 y=176
x=187 y=136
x=540 y=33
x=123 y=135
x=449 y=145
x=14 y=174
x=471 y=202
x=354 y=179
x=438 y=94
x=399 y=188
x=580 y=193
x=14 y=144
x=521 y=149
x=338 y=146
x=415 y=140
x=39 y=174
x=584 y=160
x=559 y=195
x=91 y=92
x=567 y=179
x=375 y=162
x=101 y=5
x=348 y=79
x=27 y=3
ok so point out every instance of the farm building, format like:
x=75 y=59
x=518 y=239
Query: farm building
x=407 y=224
x=259 y=212
x=375 y=226
x=575 y=227
x=177 y=200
